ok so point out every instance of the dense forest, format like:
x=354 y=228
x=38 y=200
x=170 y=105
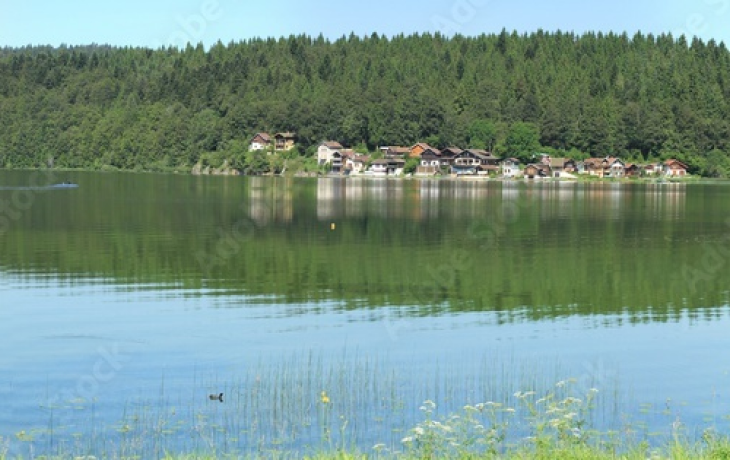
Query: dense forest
x=639 y=97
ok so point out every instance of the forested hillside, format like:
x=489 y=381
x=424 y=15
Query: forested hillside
x=637 y=97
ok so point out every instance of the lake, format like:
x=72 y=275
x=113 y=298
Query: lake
x=128 y=300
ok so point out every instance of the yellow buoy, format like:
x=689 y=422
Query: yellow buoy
x=332 y=226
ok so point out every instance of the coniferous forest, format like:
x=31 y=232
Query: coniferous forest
x=639 y=97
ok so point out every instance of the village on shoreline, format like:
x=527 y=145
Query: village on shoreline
x=423 y=160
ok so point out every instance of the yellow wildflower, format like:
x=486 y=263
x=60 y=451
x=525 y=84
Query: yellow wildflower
x=324 y=398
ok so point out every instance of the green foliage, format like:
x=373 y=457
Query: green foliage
x=523 y=141
x=411 y=165
x=601 y=94
x=482 y=134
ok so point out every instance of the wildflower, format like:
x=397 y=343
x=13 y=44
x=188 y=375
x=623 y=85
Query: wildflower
x=428 y=406
x=324 y=398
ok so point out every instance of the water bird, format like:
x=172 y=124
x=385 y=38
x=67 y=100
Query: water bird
x=214 y=397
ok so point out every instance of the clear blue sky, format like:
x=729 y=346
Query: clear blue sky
x=156 y=22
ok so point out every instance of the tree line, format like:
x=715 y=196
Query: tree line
x=639 y=97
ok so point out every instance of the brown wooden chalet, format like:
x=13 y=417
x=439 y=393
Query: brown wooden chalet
x=474 y=161
x=537 y=170
x=260 y=141
x=284 y=141
x=418 y=149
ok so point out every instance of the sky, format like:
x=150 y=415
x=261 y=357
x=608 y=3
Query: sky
x=154 y=23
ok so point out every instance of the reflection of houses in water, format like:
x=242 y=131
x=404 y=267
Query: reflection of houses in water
x=665 y=199
x=429 y=192
x=270 y=200
x=330 y=197
x=603 y=200
x=359 y=197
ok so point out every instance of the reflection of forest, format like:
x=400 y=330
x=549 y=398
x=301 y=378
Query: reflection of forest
x=435 y=246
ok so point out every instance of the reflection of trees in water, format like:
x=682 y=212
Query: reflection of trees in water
x=519 y=250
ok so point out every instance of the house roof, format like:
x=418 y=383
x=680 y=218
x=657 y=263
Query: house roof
x=423 y=145
x=433 y=151
x=453 y=151
x=264 y=136
x=673 y=162
x=399 y=150
x=286 y=135
x=482 y=152
x=557 y=162
x=332 y=144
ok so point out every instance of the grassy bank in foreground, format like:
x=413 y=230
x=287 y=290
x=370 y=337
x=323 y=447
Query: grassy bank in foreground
x=676 y=450
x=310 y=407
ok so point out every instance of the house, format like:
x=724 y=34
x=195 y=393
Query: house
x=674 y=168
x=615 y=167
x=419 y=148
x=570 y=166
x=537 y=171
x=590 y=166
x=396 y=152
x=474 y=161
x=652 y=169
x=388 y=167
x=337 y=162
x=602 y=167
x=284 y=141
x=430 y=157
x=486 y=156
x=355 y=164
x=511 y=168
x=261 y=141
x=326 y=152
x=632 y=170
x=557 y=165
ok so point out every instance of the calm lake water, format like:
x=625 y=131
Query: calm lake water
x=126 y=301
